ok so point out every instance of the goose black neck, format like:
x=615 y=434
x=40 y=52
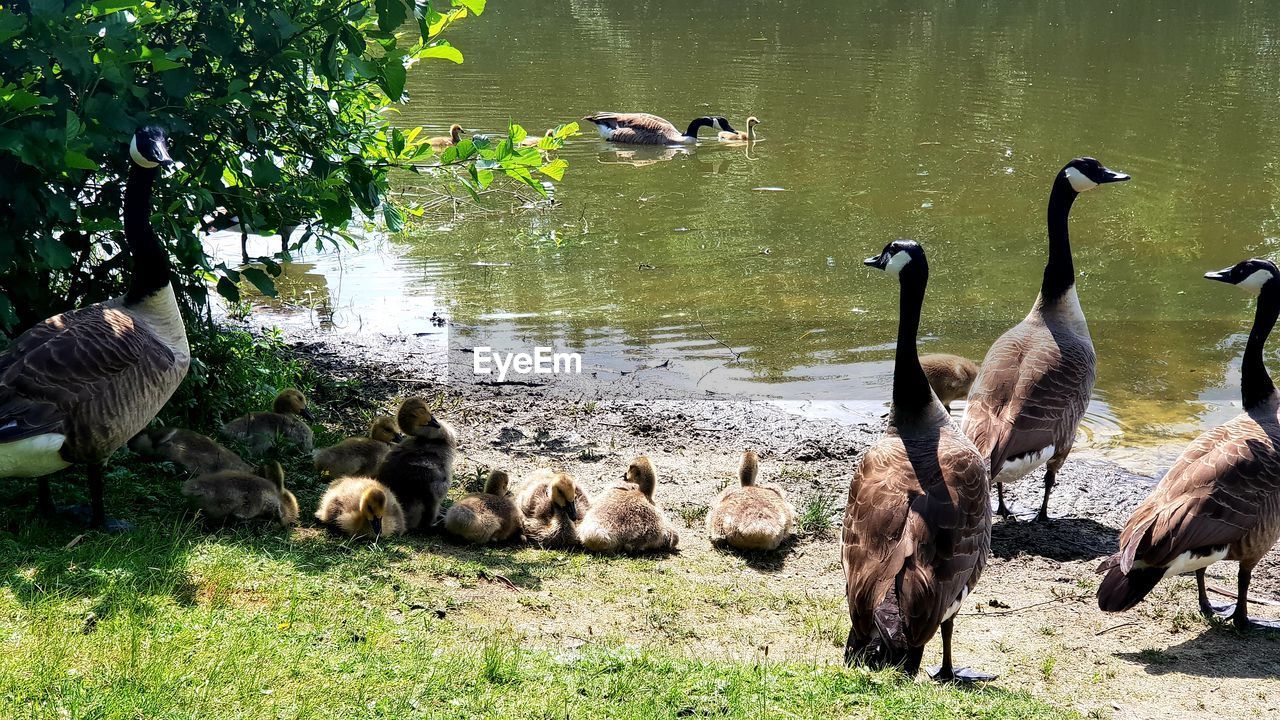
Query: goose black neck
x=150 y=259
x=1059 y=272
x=1256 y=387
x=911 y=394
x=696 y=125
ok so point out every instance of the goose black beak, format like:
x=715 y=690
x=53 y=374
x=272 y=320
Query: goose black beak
x=572 y=509
x=434 y=423
x=399 y=437
x=878 y=262
x=376 y=524
x=304 y=412
x=1110 y=176
x=1223 y=275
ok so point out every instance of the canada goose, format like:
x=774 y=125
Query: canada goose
x=262 y=431
x=360 y=455
x=646 y=129
x=734 y=136
x=487 y=516
x=950 y=376
x=238 y=495
x=751 y=516
x=420 y=468
x=361 y=507
x=199 y=454
x=1221 y=499
x=440 y=142
x=624 y=518
x=534 y=140
x=917 y=526
x=77 y=386
x=550 y=505
x=1036 y=380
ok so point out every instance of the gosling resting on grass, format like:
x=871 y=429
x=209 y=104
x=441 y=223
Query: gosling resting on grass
x=751 y=516
x=199 y=454
x=624 y=518
x=420 y=468
x=262 y=431
x=550 y=505
x=238 y=495
x=488 y=516
x=359 y=456
x=950 y=376
x=361 y=507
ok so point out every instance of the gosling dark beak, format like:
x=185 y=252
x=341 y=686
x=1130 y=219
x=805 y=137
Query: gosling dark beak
x=878 y=262
x=399 y=437
x=1110 y=176
x=571 y=507
x=434 y=423
x=376 y=524
x=1223 y=275
x=304 y=412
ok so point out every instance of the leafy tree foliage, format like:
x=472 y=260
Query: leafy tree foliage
x=277 y=113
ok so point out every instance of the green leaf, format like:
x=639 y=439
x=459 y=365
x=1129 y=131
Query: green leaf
x=443 y=50
x=57 y=255
x=265 y=171
x=7 y=315
x=79 y=161
x=106 y=7
x=393 y=75
x=11 y=25
x=228 y=289
x=393 y=217
x=260 y=280
x=554 y=169
x=391 y=14
x=475 y=6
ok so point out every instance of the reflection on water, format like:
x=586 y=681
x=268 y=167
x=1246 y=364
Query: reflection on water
x=930 y=119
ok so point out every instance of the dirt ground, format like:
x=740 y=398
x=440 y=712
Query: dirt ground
x=1033 y=620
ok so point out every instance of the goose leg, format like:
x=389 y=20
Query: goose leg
x=95 y=515
x=1241 y=615
x=1002 y=510
x=1050 y=474
x=44 y=499
x=1207 y=608
x=945 y=672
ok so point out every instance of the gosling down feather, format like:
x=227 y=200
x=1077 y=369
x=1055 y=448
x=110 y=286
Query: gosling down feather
x=361 y=507
x=1221 y=499
x=1036 y=380
x=625 y=519
x=198 y=454
x=917 y=525
x=359 y=456
x=420 y=469
x=236 y=495
x=440 y=142
x=751 y=516
x=550 y=505
x=646 y=129
x=262 y=431
x=77 y=386
x=489 y=516
x=736 y=136
x=950 y=376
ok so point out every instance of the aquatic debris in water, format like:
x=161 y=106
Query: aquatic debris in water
x=490 y=264
x=770 y=189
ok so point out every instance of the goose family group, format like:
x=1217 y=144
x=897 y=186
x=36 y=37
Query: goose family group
x=916 y=534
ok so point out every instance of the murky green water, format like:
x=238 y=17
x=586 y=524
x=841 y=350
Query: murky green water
x=941 y=121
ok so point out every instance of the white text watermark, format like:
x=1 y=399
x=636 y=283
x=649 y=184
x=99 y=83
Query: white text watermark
x=542 y=361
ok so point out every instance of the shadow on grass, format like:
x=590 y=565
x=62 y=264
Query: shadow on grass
x=1220 y=651
x=1059 y=539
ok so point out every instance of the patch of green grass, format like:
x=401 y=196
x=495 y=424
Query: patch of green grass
x=692 y=514
x=815 y=516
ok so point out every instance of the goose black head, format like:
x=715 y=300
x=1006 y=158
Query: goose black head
x=1086 y=173
x=722 y=122
x=897 y=255
x=1248 y=275
x=149 y=147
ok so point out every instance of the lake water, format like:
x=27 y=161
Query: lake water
x=940 y=121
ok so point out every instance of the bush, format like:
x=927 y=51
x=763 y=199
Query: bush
x=276 y=113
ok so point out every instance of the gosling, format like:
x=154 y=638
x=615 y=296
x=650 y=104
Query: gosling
x=550 y=505
x=624 y=517
x=236 y=495
x=751 y=516
x=440 y=142
x=199 y=454
x=361 y=507
x=950 y=376
x=738 y=136
x=420 y=468
x=488 y=516
x=359 y=456
x=262 y=431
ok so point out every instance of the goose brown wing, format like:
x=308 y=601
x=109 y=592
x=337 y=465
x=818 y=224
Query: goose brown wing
x=69 y=364
x=1212 y=497
x=1031 y=392
x=640 y=128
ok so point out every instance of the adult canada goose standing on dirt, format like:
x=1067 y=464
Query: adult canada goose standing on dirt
x=1036 y=380
x=1221 y=499
x=646 y=129
x=917 y=526
x=77 y=386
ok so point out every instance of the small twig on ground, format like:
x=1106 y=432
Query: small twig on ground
x=1114 y=627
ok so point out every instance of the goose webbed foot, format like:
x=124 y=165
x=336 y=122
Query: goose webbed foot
x=1244 y=623
x=84 y=515
x=1042 y=516
x=959 y=675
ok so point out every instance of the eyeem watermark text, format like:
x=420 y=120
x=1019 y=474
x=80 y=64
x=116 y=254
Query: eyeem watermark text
x=542 y=361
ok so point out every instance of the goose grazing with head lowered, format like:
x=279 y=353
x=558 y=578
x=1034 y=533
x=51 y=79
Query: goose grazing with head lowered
x=917 y=526
x=1221 y=499
x=77 y=386
x=646 y=129
x=1035 y=382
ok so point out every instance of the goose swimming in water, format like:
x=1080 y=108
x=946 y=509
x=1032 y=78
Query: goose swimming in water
x=646 y=129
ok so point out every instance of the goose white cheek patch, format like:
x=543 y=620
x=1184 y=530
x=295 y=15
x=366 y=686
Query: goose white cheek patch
x=1255 y=281
x=897 y=262
x=1079 y=181
x=138 y=157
